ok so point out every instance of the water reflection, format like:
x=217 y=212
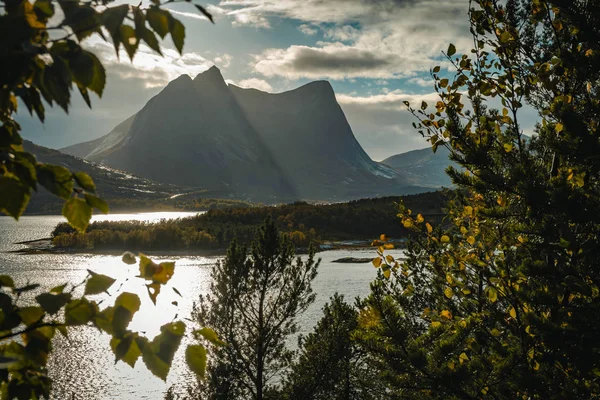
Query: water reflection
x=83 y=366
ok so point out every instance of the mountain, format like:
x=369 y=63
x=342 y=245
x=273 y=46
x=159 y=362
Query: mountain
x=425 y=166
x=110 y=183
x=82 y=150
x=246 y=143
x=307 y=132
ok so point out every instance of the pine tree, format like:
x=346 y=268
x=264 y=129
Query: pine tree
x=253 y=303
x=331 y=366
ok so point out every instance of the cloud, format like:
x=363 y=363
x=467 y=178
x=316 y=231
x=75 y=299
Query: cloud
x=336 y=61
x=155 y=70
x=364 y=38
x=382 y=123
x=308 y=30
x=254 y=83
x=344 y=33
x=186 y=14
x=241 y=18
x=223 y=61
x=420 y=81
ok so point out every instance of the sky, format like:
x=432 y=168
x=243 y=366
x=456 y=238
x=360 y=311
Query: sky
x=375 y=53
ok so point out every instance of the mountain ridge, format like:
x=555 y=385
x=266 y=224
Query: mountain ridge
x=202 y=132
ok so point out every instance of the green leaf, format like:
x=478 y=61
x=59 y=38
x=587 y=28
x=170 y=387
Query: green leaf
x=129 y=258
x=78 y=213
x=85 y=94
x=56 y=179
x=58 y=289
x=158 y=20
x=113 y=19
x=129 y=301
x=82 y=68
x=151 y=41
x=115 y=320
x=129 y=40
x=96 y=202
x=209 y=335
x=157 y=273
x=436 y=69
x=126 y=349
x=205 y=13
x=87 y=71
x=6 y=281
x=79 y=312
x=158 y=354
x=451 y=50
x=195 y=356
x=153 y=291
x=44 y=9
x=15 y=197
x=31 y=315
x=98 y=283
x=84 y=181
x=448 y=292
x=177 y=34
x=53 y=303
x=492 y=295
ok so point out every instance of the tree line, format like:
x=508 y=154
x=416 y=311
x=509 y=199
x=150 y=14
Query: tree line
x=304 y=223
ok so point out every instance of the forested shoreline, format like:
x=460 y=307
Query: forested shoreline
x=304 y=224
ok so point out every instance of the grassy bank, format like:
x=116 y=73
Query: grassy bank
x=304 y=223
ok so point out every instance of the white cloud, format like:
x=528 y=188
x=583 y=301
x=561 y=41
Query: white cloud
x=420 y=81
x=223 y=61
x=344 y=33
x=254 y=83
x=382 y=123
x=241 y=18
x=152 y=68
x=365 y=38
x=336 y=61
x=186 y=14
x=308 y=30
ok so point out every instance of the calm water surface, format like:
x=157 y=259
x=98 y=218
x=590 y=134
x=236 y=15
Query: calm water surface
x=83 y=366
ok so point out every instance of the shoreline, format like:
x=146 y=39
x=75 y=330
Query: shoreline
x=329 y=246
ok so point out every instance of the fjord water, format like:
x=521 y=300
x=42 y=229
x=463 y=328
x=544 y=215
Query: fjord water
x=82 y=366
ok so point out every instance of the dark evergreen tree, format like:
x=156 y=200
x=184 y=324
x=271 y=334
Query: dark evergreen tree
x=331 y=366
x=253 y=303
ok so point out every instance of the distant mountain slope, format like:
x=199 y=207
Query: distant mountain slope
x=424 y=165
x=247 y=144
x=110 y=183
x=308 y=134
x=83 y=150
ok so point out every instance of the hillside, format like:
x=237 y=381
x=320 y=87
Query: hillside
x=425 y=166
x=110 y=183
